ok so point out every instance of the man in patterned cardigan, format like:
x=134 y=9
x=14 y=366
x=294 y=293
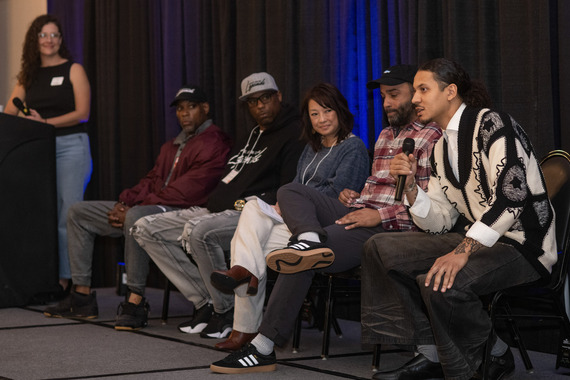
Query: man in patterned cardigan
x=490 y=226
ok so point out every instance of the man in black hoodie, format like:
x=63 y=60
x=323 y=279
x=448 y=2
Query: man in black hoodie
x=258 y=167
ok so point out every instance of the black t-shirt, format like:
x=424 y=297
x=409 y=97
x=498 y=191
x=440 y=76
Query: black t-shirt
x=51 y=92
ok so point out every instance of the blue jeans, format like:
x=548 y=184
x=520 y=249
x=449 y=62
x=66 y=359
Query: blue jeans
x=397 y=308
x=87 y=220
x=74 y=167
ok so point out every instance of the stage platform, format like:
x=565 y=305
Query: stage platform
x=36 y=347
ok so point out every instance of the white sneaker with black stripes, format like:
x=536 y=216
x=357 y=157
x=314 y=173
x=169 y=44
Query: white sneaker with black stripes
x=300 y=256
x=246 y=360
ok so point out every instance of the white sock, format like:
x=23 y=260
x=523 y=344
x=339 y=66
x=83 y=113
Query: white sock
x=499 y=348
x=429 y=351
x=263 y=344
x=309 y=236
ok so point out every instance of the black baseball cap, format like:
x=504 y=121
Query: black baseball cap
x=394 y=75
x=190 y=93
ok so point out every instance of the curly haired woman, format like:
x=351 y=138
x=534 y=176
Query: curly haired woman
x=56 y=91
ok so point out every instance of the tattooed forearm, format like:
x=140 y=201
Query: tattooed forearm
x=468 y=245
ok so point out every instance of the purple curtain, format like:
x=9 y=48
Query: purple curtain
x=139 y=52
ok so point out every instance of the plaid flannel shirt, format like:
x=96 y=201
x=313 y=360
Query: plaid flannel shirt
x=380 y=187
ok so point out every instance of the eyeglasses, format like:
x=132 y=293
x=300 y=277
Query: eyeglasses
x=50 y=35
x=265 y=98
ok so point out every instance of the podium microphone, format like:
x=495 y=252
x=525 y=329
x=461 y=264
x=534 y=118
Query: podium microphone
x=407 y=148
x=18 y=103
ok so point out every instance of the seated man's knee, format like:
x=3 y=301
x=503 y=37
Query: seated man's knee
x=197 y=232
x=75 y=210
x=139 y=229
x=370 y=248
x=376 y=247
x=131 y=217
x=427 y=292
x=431 y=296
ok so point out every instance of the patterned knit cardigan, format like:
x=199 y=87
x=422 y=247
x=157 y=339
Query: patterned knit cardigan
x=501 y=190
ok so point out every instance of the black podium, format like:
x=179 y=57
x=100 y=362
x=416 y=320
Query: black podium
x=28 y=221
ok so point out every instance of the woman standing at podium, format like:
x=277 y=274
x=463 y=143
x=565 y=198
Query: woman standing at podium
x=56 y=91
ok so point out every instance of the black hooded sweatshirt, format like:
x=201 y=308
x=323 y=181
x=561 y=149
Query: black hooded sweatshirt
x=263 y=163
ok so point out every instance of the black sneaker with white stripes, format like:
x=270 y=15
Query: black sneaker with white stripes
x=299 y=256
x=246 y=360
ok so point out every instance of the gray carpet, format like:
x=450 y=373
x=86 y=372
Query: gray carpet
x=36 y=347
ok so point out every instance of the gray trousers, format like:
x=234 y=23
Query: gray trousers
x=397 y=308
x=86 y=220
x=305 y=209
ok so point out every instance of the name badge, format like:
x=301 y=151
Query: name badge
x=231 y=175
x=56 y=81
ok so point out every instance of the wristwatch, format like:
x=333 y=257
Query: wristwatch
x=239 y=204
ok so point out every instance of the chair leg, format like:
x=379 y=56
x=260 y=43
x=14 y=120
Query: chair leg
x=487 y=357
x=559 y=353
x=564 y=316
x=376 y=357
x=518 y=339
x=514 y=332
x=328 y=320
x=335 y=325
x=165 y=302
x=489 y=344
x=297 y=332
x=564 y=331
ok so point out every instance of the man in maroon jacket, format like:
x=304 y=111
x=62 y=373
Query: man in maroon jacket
x=186 y=170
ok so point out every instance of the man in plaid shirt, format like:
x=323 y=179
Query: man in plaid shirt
x=330 y=233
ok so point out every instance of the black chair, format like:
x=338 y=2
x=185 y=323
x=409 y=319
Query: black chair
x=556 y=170
x=349 y=286
x=166 y=302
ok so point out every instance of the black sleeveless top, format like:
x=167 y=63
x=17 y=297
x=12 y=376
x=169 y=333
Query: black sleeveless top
x=51 y=94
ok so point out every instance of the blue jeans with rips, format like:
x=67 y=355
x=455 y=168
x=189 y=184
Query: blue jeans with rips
x=206 y=236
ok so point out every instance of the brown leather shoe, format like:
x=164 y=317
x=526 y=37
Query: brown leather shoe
x=228 y=280
x=235 y=341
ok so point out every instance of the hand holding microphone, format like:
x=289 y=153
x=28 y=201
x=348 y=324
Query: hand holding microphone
x=20 y=105
x=407 y=149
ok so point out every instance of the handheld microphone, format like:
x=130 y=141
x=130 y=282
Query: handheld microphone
x=18 y=103
x=407 y=148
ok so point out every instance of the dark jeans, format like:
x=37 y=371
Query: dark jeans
x=305 y=209
x=398 y=309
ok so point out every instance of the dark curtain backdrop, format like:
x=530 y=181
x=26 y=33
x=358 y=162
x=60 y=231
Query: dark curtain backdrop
x=139 y=52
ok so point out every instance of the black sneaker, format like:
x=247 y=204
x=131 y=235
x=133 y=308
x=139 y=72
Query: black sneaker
x=299 y=256
x=219 y=326
x=199 y=321
x=246 y=360
x=132 y=317
x=75 y=305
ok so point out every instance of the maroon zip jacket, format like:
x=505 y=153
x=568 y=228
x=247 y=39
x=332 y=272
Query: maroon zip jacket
x=198 y=171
